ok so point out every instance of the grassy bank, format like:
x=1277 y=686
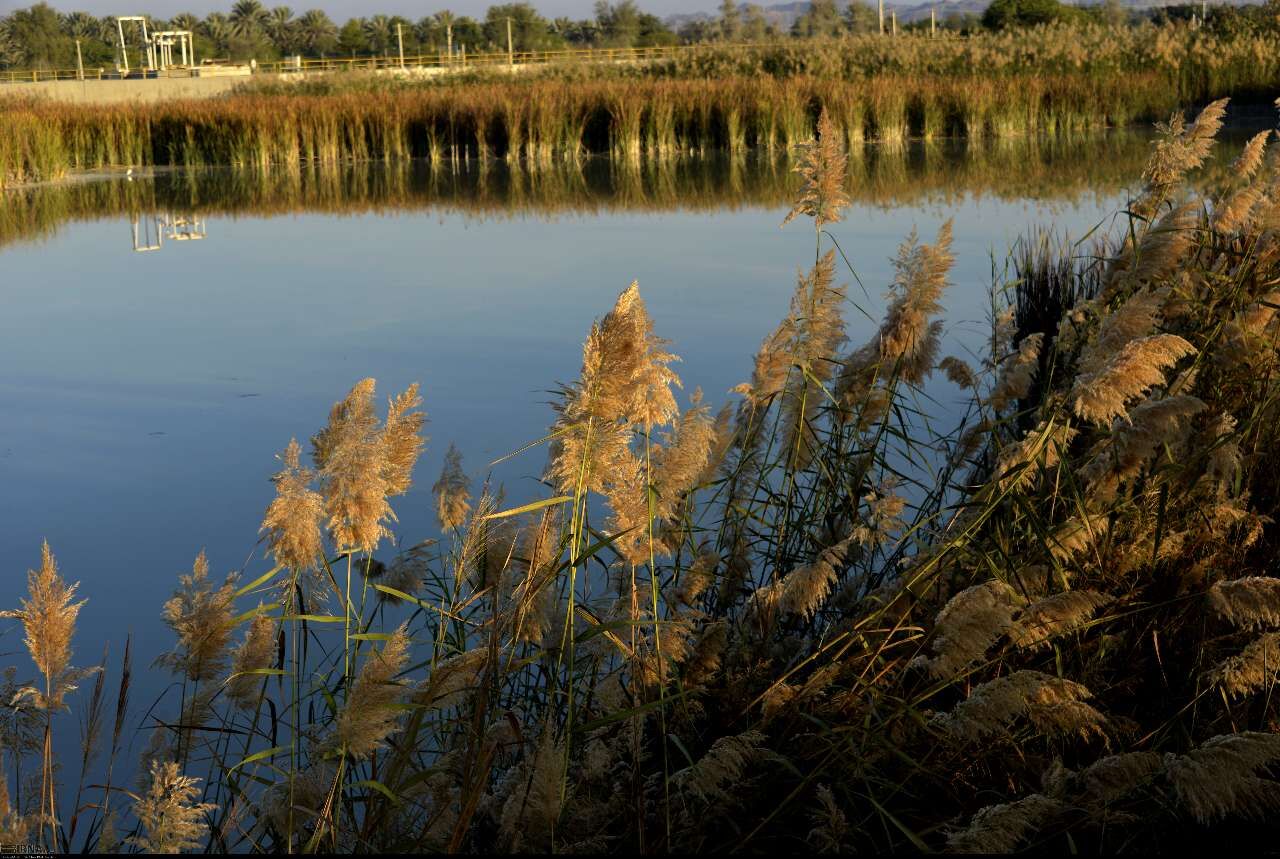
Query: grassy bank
x=834 y=615
x=934 y=173
x=878 y=92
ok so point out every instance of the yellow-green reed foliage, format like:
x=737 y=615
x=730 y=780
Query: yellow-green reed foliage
x=544 y=120
x=827 y=618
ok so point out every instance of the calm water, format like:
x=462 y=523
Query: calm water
x=146 y=392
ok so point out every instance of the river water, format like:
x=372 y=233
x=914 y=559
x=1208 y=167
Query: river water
x=165 y=335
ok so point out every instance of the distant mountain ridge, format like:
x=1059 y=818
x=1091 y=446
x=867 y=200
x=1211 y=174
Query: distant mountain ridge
x=783 y=15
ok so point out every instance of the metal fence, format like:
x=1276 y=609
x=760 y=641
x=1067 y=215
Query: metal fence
x=440 y=61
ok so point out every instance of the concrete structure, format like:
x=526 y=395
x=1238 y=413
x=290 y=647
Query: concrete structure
x=135 y=90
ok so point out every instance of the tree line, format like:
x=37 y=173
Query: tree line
x=40 y=37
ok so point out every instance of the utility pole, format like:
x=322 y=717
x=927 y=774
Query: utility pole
x=448 y=34
x=895 y=22
x=79 y=62
x=400 y=39
x=881 y=2
x=511 y=54
x=933 y=21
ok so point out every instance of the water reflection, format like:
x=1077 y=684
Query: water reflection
x=922 y=174
x=151 y=230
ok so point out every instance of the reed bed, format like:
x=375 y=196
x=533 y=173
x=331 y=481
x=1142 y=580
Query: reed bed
x=829 y=615
x=546 y=121
x=1054 y=80
x=936 y=173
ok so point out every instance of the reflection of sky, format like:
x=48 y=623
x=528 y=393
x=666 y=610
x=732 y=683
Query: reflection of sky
x=147 y=393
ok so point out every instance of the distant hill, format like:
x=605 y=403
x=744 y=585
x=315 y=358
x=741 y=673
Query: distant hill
x=783 y=15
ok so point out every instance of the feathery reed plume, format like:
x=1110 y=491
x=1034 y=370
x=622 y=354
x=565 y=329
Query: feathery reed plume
x=697 y=578
x=350 y=455
x=906 y=344
x=804 y=590
x=707 y=653
x=533 y=598
x=370 y=713
x=1256 y=667
x=255 y=654
x=1017 y=373
x=627 y=495
x=1180 y=149
x=1224 y=454
x=406 y=573
x=1164 y=244
x=48 y=617
x=402 y=440
x=1114 y=776
x=203 y=619
x=1135 y=318
x=1046 y=445
x=1252 y=602
x=1056 y=615
x=1220 y=778
x=1101 y=396
x=907 y=337
x=968 y=625
x=15 y=827
x=172 y=821
x=1151 y=427
x=1250 y=157
x=1078 y=534
x=817 y=331
x=830 y=826
x=108 y=841
x=292 y=520
x=771 y=366
x=1054 y=706
x=625 y=381
x=452 y=491
x=958 y=372
x=529 y=815
x=1004 y=828
x=452 y=680
x=723 y=765
x=822 y=164
x=683 y=457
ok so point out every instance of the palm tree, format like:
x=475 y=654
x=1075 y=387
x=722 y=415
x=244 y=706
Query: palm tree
x=80 y=25
x=316 y=31
x=280 y=28
x=247 y=18
x=379 y=32
x=185 y=21
x=218 y=30
x=107 y=31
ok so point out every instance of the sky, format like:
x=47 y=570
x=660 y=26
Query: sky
x=342 y=9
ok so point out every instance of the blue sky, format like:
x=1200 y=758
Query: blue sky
x=342 y=9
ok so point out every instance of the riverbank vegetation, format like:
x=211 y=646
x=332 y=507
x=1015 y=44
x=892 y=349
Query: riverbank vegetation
x=1024 y=599
x=1059 y=79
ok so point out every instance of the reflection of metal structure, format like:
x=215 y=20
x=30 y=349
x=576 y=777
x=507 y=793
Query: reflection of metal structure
x=151 y=230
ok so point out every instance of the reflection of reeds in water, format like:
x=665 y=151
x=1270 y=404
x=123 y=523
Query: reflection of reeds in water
x=545 y=120
x=934 y=172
